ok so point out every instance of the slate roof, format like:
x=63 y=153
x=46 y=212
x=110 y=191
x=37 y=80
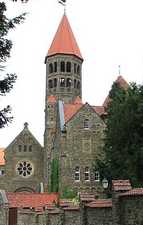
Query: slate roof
x=2 y=160
x=64 y=41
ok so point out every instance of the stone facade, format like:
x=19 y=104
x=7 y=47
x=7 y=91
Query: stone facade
x=23 y=170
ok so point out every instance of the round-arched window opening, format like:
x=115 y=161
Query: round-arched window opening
x=24 y=169
x=78 y=69
x=68 y=67
x=50 y=68
x=62 y=66
x=69 y=82
x=78 y=84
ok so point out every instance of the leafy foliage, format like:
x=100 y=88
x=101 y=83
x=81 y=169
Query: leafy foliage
x=69 y=193
x=7 y=81
x=124 y=135
x=55 y=175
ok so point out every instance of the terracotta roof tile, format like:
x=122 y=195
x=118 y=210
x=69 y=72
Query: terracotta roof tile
x=64 y=41
x=87 y=197
x=34 y=200
x=133 y=192
x=101 y=203
x=77 y=100
x=70 y=110
x=100 y=110
x=2 y=160
x=121 y=185
x=122 y=83
x=51 y=99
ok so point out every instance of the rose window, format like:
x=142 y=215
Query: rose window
x=24 y=168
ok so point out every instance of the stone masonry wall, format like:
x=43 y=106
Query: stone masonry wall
x=98 y=216
x=131 y=210
x=80 y=147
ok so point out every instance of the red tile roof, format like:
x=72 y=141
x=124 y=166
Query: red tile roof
x=100 y=110
x=122 y=83
x=27 y=200
x=87 y=197
x=77 y=100
x=2 y=160
x=51 y=99
x=133 y=192
x=101 y=203
x=64 y=41
x=70 y=110
x=121 y=185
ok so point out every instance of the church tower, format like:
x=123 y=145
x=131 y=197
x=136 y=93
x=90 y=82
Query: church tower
x=64 y=65
x=63 y=83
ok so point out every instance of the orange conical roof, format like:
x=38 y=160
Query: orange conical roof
x=64 y=41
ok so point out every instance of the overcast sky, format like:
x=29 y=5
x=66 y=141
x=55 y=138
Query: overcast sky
x=109 y=33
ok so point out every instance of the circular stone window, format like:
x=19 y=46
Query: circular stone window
x=24 y=168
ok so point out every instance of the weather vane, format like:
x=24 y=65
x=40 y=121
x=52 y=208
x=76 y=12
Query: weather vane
x=63 y=2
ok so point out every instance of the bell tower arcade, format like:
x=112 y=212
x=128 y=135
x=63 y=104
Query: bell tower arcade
x=64 y=65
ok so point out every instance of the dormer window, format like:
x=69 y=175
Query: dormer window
x=86 y=124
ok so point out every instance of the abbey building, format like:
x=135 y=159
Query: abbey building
x=73 y=136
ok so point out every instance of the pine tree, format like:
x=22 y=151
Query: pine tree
x=6 y=81
x=124 y=135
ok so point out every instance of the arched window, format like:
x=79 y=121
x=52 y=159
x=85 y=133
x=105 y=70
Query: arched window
x=50 y=84
x=62 y=66
x=74 y=83
x=19 y=148
x=25 y=148
x=55 y=82
x=78 y=84
x=69 y=82
x=75 y=66
x=68 y=67
x=50 y=68
x=97 y=176
x=55 y=67
x=78 y=69
x=30 y=148
x=87 y=174
x=62 y=82
x=77 y=174
x=86 y=123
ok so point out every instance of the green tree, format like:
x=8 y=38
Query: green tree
x=6 y=81
x=124 y=134
x=54 y=175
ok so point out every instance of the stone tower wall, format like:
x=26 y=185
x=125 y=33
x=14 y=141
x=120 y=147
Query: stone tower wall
x=68 y=84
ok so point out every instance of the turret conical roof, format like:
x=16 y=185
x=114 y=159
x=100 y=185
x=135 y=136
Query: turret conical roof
x=64 y=41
